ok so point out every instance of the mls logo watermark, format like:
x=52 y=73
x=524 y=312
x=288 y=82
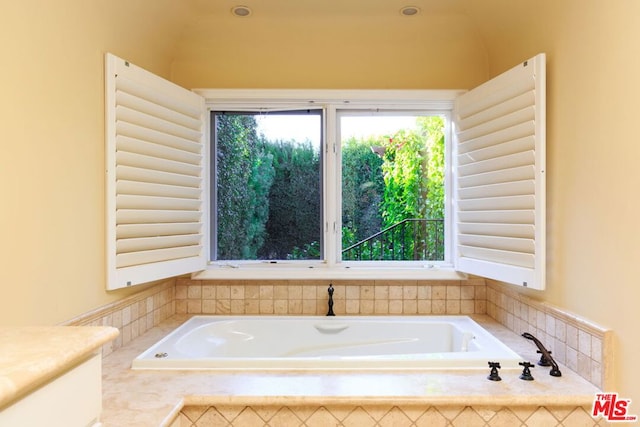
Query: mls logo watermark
x=611 y=408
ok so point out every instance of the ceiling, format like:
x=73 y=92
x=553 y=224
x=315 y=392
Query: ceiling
x=342 y=8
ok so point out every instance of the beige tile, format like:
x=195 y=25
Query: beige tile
x=193 y=292
x=322 y=418
x=424 y=292
x=237 y=306
x=381 y=292
x=247 y=418
x=395 y=418
x=208 y=306
x=250 y=291
x=409 y=292
x=252 y=306
x=352 y=307
x=453 y=306
x=359 y=418
x=432 y=418
x=505 y=418
x=584 y=343
x=181 y=292
x=410 y=307
x=223 y=306
x=424 y=307
x=230 y=412
x=294 y=292
x=308 y=292
x=438 y=307
x=266 y=306
x=381 y=307
x=295 y=306
x=266 y=292
x=579 y=418
x=467 y=292
x=377 y=411
x=468 y=418
x=450 y=412
x=285 y=417
x=352 y=292
x=281 y=292
x=366 y=292
x=439 y=292
x=453 y=292
x=308 y=306
x=366 y=306
x=280 y=306
x=395 y=306
x=542 y=418
x=396 y=291
x=572 y=337
x=266 y=412
x=194 y=412
x=467 y=306
x=194 y=306
x=237 y=291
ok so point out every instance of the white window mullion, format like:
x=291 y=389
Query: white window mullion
x=332 y=182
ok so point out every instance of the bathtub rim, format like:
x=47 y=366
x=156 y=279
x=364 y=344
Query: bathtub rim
x=328 y=366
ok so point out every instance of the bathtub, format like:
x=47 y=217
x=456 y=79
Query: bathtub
x=318 y=343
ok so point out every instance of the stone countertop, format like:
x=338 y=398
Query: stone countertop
x=31 y=356
x=155 y=397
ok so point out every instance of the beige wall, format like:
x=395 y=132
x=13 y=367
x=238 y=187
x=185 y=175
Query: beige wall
x=592 y=152
x=52 y=139
x=52 y=123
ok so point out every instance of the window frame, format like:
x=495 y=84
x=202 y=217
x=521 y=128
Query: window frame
x=334 y=102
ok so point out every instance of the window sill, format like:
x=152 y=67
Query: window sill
x=234 y=272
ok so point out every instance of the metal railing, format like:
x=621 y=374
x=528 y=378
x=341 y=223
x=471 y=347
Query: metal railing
x=413 y=239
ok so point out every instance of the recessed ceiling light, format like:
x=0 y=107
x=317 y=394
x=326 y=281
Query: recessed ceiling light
x=410 y=10
x=241 y=11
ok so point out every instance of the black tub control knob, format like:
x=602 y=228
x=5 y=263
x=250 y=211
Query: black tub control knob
x=493 y=375
x=526 y=373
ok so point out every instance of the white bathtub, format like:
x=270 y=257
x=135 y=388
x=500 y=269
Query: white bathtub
x=315 y=342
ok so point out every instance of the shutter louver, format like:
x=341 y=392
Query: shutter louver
x=156 y=198
x=500 y=190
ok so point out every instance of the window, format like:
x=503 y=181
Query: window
x=374 y=195
x=266 y=186
x=393 y=188
x=493 y=182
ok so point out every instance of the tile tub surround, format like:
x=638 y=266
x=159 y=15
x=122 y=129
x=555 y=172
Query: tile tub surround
x=151 y=398
x=575 y=342
x=401 y=297
x=133 y=315
x=582 y=346
x=364 y=414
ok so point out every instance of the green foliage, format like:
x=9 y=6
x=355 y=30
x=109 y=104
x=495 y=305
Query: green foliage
x=294 y=200
x=362 y=189
x=244 y=176
x=433 y=128
x=269 y=193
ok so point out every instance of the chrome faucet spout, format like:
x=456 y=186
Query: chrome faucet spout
x=545 y=358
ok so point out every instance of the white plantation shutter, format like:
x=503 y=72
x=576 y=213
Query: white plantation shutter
x=155 y=177
x=499 y=157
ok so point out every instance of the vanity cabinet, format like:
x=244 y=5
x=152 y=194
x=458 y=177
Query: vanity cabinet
x=52 y=376
x=72 y=399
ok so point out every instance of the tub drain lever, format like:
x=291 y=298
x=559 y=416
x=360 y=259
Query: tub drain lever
x=330 y=302
x=493 y=375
